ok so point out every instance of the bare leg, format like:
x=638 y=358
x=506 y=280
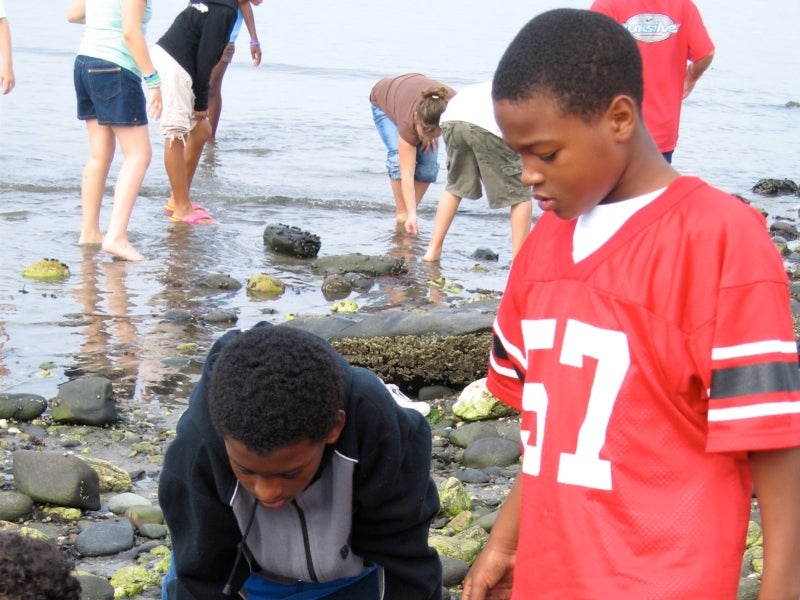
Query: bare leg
x=520 y=217
x=195 y=143
x=215 y=95
x=135 y=144
x=93 y=180
x=400 y=212
x=445 y=212
x=176 y=173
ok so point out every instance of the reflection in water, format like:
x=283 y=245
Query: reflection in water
x=416 y=287
x=109 y=347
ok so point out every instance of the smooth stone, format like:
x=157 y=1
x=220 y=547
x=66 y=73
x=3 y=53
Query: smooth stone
x=105 y=538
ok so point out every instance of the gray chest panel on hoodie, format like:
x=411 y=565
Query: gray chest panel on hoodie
x=306 y=539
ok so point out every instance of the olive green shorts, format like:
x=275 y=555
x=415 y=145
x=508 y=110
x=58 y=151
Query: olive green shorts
x=476 y=156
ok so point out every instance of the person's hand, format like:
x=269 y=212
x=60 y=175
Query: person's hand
x=428 y=143
x=490 y=576
x=199 y=115
x=255 y=52
x=411 y=224
x=7 y=80
x=154 y=103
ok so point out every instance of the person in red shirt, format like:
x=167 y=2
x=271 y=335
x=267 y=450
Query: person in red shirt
x=676 y=50
x=650 y=353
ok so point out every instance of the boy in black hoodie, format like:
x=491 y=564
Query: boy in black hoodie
x=295 y=473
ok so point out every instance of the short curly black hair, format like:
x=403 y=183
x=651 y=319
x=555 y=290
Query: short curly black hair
x=580 y=58
x=276 y=386
x=32 y=569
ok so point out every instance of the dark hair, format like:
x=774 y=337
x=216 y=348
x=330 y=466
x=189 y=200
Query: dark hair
x=32 y=569
x=276 y=386
x=431 y=106
x=580 y=58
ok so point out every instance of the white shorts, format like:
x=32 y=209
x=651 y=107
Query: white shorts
x=177 y=114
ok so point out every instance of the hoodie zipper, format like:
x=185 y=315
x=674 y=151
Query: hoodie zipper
x=312 y=574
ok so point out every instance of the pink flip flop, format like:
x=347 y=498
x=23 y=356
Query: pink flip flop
x=169 y=209
x=199 y=216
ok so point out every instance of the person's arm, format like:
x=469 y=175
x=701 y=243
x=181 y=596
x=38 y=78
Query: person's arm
x=132 y=15
x=76 y=11
x=407 y=156
x=491 y=575
x=7 y=79
x=250 y=23
x=776 y=475
x=694 y=72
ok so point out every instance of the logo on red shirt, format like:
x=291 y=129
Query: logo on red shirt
x=651 y=28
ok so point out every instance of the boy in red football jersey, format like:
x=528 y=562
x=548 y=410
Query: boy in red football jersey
x=645 y=336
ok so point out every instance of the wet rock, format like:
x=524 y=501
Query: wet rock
x=47 y=268
x=470 y=475
x=87 y=401
x=14 y=505
x=264 y=285
x=748 y=588
x=360 y=263
x=476 y=402
x=153 y=531
x=485 y=254
x=112 y=478
x=178 y=315
x=345 y=306
x=105 y=537
x=465 y=546
x=792 y=104
x=775 y=187
x=453 y=570
x=360 y=281
x=54 y=478
x=219 y=315
x=121 y=502
x=21 y=407
x=466 y=434
x=291 y=241
x=218 y=282
x=453 y=497
x=491 y=452
x=133 y=580
x=94 y=587
x=335 y=287
x=141 y=515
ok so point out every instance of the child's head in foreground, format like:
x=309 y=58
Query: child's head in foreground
x=277 y=399
x=33 y=569
x=567 y=95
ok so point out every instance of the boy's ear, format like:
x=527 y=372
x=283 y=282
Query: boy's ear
x=333 y=435
x=623 y=116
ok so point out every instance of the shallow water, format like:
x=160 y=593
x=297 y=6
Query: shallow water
x=296 y=145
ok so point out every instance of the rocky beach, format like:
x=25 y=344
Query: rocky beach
x=81 y=469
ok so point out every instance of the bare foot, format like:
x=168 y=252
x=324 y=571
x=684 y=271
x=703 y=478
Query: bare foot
x=123 y=250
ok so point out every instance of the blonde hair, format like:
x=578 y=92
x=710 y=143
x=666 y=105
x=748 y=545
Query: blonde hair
x=431 y=106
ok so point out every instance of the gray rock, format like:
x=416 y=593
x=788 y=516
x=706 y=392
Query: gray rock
x=54 y=478
x=139 y=515
x=359 y=281
x=105 y=537
x=154 y=531
x=22 y=407
x=218 y=315
x=178 y=315
x=453 y=570
x=469 y=432
x=491 y=451
x=121 y=502
x=14 y=505
x=748 y=588
x=217 y=282
x=94 y=587
x=87 y=401
x=470 y=475
x=335 y=287
x=360 y=263
x=485 y=254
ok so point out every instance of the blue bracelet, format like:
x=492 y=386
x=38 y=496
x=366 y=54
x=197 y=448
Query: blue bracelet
x=150 y=77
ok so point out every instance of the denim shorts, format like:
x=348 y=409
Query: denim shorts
x=427 y=162
x=108 y=93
